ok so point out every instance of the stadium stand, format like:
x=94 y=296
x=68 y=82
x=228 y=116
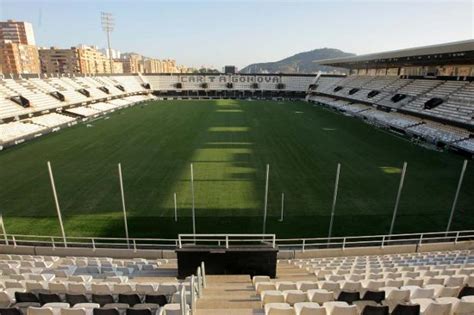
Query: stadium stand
x=52 y=120
x=433 y=282
x=51 y=285
x=23 y=99
x=438 y=132
x=13 y=131
x=38 y=99
x=466 y=145
x=420 y=128
x=427 y=283
x=84 y=111
x=31 y=107
x=438 y=110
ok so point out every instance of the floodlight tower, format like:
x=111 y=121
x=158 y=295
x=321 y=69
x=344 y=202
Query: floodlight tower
x=108 y=24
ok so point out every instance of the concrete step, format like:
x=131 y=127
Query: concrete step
x=213 y=279
x=211 y=292
x=241 y=311
x=234 y=303
x=297 y=278
x=232 y=294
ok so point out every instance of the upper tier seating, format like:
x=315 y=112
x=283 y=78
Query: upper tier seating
x=107 y=83
x=38 y=98
x=69 y=91
x=297 y=83
x=410 y=91
x=9 y=108
x=95 y=93
x=132 y=84
x=163 y=82
x=419 y=87
x=453 y=107
x=325 y=83
x=411 y=95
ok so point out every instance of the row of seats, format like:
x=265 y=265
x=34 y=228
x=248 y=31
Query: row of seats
x=64 y=286
x=40 y=92
x=433 y=283
x=17 y=130
x=465 y=145
x=388 y=294
x=85 y=269
x=437 y=132
x=414 y=285
x=456 y=95
x=59 y=308
x=101 y=299
x=388 y=301
x=417 y=307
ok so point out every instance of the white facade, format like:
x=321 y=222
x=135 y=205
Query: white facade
x=115 y=53
x=30 y=35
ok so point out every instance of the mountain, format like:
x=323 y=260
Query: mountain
x=302 y=62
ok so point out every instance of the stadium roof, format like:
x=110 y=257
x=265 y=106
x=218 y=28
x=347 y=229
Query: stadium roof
x=439 y=52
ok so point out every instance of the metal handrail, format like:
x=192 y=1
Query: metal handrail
x=226 y=239
x=230 y=239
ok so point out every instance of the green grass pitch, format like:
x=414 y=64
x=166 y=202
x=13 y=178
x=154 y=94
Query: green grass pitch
x=229 y=143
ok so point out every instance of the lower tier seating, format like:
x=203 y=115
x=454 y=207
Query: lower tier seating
x=466 y=145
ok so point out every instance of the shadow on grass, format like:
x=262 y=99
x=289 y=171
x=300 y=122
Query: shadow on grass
x=291 y=227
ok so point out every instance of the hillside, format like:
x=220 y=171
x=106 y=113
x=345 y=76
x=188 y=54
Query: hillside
x=302 y=62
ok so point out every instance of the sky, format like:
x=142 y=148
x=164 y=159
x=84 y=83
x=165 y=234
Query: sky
x=217 y=33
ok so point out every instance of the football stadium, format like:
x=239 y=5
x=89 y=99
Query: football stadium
x=345 y=192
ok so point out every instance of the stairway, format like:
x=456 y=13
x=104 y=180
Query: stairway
x=235 y=294
x=290 y=272
x=229 y=295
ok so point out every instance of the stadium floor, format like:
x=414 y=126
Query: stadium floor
x=229 y=143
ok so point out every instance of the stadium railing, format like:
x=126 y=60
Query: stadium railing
x=228 y=240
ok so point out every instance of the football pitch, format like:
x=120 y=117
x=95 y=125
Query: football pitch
x=229 y=143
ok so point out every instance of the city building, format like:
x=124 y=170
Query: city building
x=132 y=63
x=118 y=67
x=115 y=53
x=18 y=53
x=82 y=59
x=17 y=32
x=18 y=58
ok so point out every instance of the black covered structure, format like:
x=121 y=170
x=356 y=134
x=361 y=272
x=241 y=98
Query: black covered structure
x=255 y=257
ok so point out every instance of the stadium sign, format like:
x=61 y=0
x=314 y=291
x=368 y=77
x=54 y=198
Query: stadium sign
x=229 y=78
